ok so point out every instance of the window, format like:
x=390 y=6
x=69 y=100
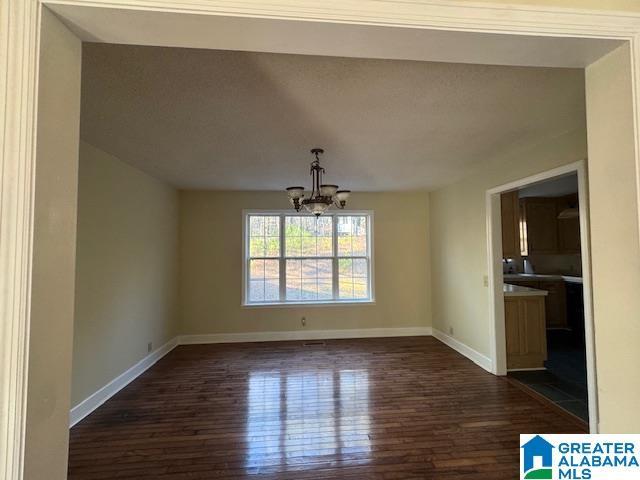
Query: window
x=298 y=258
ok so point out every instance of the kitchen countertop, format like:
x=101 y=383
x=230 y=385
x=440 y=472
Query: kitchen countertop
x=541 y=277
x=519 y=291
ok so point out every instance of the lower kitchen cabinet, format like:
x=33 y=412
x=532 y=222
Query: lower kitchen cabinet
x=575 y=311
x=556 y=301
x=525 y=328
x=556 y=304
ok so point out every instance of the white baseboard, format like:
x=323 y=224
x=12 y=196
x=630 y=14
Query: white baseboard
x=304 y=335
x=473 y=355
x=92 y=402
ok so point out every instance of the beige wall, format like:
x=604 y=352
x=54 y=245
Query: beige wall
x=458 y=239
x=623 y=5
x=127 y=271
x=211 y=266
x=54 y=247
x=459 y=247
x=615 y=246
x=459 y=236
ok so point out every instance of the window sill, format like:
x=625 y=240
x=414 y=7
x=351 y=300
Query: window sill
x=332 y=303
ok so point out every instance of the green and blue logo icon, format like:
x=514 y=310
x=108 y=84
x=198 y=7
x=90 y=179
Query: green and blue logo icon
x=580 y=456
x=537 y=459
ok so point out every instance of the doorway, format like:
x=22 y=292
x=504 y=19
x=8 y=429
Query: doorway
x=539 y=259
x=19 y=184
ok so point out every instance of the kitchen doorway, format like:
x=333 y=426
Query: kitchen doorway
x=541 y=290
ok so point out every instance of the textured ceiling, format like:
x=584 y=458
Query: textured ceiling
x=238 y=120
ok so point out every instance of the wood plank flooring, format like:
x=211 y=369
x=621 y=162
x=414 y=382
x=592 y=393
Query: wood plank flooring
x=388 y=408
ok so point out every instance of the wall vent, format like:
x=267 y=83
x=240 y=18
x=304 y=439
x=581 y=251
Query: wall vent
x=315 y=343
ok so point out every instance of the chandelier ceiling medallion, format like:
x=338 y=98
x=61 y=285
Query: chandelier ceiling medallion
x=322 y=195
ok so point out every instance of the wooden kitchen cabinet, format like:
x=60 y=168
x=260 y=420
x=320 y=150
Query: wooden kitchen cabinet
x=525 y=331
x=556 y=304
x=541 y=219
x=510 y=225
x=546 y=233
x=568 y=228
x=556 y=300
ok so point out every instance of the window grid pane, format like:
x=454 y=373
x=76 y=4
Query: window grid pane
x=309 y=279
x=264 y=280
x=352 y=236
x=264 y=236
x=310 y=250
x=353 y=278
x=307 y=236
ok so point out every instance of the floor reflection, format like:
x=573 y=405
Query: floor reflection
x=264 y=420
x=354 y=412
x=307 y=419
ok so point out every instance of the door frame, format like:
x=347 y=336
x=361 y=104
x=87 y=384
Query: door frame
x=494 y=260
x=19 y=50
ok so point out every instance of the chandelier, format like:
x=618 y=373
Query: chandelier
x=322 y=195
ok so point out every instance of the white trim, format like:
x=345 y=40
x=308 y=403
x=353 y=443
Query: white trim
x=17 y=126
x=312 y=304
x=538 y=177
x=537 y=369
x=494 y=257
x=476 y=357
x=634 y=45
x=282 y=214
x=452 y=15
x=19 y=54
x=497 y=335
x=304 y=335
x=96 y=399
x=587 y=293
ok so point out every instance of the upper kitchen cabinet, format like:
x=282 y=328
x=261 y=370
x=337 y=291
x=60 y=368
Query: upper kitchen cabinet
x=541 y=219
x=568 y=224
x=551 y=225
x=510 y=225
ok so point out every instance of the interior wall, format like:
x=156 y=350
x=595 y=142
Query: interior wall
x=623 y=5
x=460 y=294
x=127 y=270
x=615 y=246
x=211 y=266
x=54 y=249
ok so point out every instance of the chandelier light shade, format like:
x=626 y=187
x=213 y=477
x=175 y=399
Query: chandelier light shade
x=323 y=195
x=295 y=193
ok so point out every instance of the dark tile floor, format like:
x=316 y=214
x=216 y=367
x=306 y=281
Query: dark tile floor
x=565 y=380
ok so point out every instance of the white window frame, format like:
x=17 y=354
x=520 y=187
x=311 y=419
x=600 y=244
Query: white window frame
x=282 y=302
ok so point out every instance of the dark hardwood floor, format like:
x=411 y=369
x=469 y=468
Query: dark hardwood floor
x=387 y=408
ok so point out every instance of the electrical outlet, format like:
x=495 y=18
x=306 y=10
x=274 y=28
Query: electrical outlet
x=450 y=330
x=485 y=280
x=149 y=347
x=303 y=321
